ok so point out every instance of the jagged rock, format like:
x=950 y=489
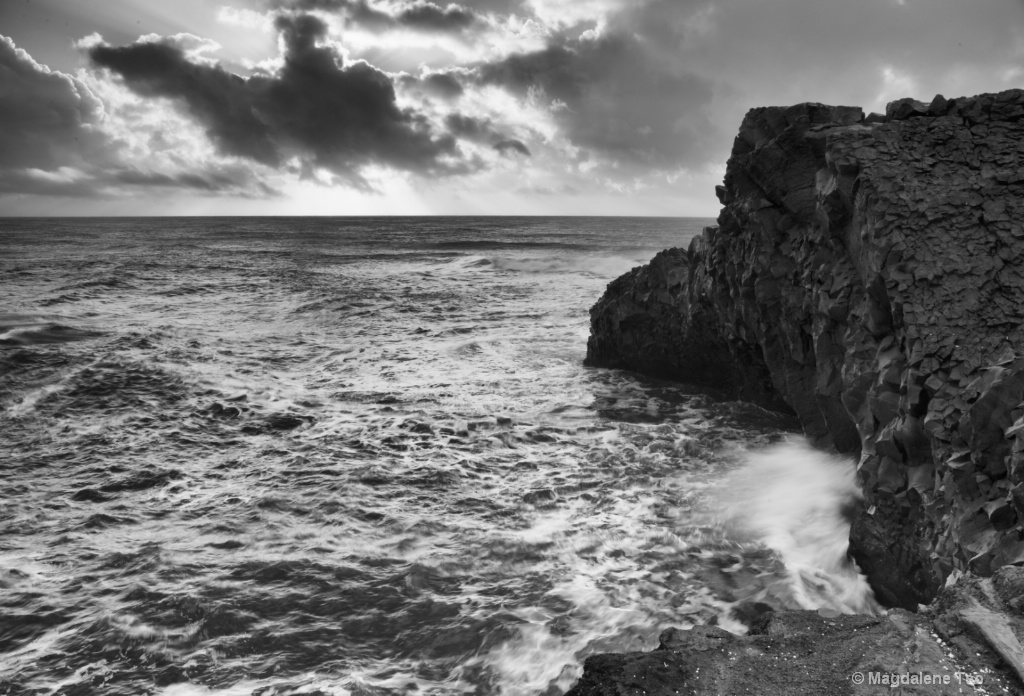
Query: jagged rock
x=895 y=584
x=652 y=321
x=970 y=642
x=873 y=269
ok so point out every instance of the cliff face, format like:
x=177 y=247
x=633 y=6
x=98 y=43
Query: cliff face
x=656 y=321
x=869 y=273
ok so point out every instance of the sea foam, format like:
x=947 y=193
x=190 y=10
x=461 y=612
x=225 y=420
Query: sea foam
x=799 y=502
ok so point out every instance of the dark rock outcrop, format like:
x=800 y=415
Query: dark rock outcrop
x=654 y=320
x=870 y=274
x=968 y=643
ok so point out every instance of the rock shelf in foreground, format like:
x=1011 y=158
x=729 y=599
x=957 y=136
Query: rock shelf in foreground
x=966 y=644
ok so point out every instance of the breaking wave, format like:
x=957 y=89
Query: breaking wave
x=800 y=503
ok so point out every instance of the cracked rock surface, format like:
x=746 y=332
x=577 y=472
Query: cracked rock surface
x=866 y=274
x=963 y=645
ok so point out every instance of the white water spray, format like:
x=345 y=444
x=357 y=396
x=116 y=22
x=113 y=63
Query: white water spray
x=798 y=501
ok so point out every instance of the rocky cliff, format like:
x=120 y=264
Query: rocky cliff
x=866 y=273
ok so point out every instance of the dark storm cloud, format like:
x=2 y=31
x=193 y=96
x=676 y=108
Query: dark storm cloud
x=235 y=179
x=615 y=96
x=46 y=118
x=483 y=130
x=664 y=83
x=419 y=16
x=52 y=143
x=331 y=115
x=427 y=16
x=217 y=98
x=511 y=145
x=470 y=127
x=440 y=85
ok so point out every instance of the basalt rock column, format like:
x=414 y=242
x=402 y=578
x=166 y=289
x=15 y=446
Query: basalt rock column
x=873 y=269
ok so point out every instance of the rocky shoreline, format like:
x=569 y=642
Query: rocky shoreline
x=965 y=644
x=866 y=275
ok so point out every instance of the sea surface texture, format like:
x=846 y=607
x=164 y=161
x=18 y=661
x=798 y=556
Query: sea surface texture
x=362 y=456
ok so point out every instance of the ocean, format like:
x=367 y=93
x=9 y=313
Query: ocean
x=362 y=456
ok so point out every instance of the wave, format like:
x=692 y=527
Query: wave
x=600 y=266
x=485 y=244
x=101 y=282
x=604 y=266
x=113 y=385
x=800 y=503
x=26 y=330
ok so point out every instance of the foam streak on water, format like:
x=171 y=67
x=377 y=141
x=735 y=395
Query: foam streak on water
x=316 y=456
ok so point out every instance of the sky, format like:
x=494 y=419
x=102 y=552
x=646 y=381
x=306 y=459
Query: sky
x=411 y=107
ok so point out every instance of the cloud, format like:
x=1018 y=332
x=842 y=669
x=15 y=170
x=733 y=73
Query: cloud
x=58 y=138
x=613 y=96
x=235 y=179
x=191 y=45
x=314 y=107
x=443 y=85
x=426 y=16
x=637 y=96
x=511 y=145
x=471 y=127
x=47 y=119
x=483 y=130
x=417 y=16
x=560 y=13
x=649 y=93
x=788 y=51
x=71 y=182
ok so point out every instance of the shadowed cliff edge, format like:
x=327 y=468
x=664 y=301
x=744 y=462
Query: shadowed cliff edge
x=866 y=275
